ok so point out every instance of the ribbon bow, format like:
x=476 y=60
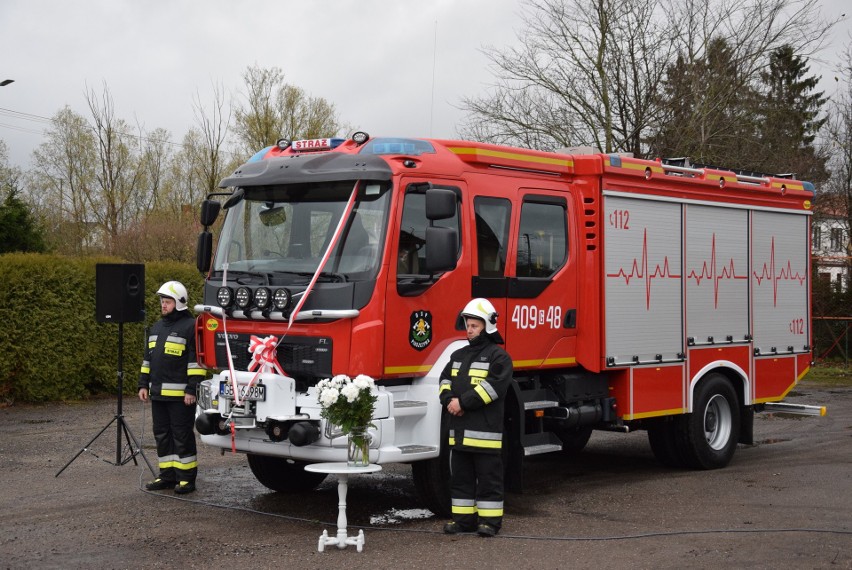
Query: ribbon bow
x=264 y=355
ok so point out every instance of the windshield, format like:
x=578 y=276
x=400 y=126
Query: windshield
x=279 y=233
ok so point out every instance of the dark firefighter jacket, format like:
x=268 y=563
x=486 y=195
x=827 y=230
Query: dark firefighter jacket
x=169 y=369
x=479 y=376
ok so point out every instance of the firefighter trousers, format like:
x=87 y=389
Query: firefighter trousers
x=173 y=430
x=477 y=488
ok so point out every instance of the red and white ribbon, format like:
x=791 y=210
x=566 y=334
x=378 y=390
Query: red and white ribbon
x=264 y=356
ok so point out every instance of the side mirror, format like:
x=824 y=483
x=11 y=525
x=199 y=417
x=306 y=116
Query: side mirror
x=441 y=254
x=204 y=252
x=235 y=198
x=440 y=204
x=209 y=212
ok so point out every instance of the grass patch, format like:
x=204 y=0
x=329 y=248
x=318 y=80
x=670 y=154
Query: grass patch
x=829 y=376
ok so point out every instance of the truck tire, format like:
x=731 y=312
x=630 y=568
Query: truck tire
x=282 y=474
x=662 y=434
x=708 y=436
x=432 y=477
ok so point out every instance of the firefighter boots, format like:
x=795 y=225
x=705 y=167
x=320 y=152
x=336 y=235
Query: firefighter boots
x=486 y=530
x=185 y=487
x=158 y=485
x=455 y=528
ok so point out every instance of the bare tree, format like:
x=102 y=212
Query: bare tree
x=62 y=177
x=275 y=109
x=752 y=29
x=10 y=176
x=838 y=190
x=94 y=180
x=591 y=72
x=119 y=176
x=212 y=160
x=585 y=73
x=156 y=152
x=204 y=159
x=715 y=90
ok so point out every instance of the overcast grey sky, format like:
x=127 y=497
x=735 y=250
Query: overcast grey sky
x=391 y=67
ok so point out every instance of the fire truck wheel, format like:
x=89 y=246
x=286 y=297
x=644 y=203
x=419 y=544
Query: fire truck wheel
x=282 y=474
x=432 y=477
x=661 y=436
x=710 y=433
x=574 y=440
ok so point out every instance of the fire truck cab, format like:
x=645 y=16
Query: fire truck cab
x=631 y=294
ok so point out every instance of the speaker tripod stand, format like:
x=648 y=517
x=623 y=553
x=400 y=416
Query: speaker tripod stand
x=121 y=424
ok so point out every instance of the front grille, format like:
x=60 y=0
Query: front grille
x=298 y=356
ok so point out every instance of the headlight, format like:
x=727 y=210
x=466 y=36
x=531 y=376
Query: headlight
x=281 y=299
x=224 y=296
x=243 y=297
x=261 y=298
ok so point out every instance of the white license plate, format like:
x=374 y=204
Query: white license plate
x=256 y=392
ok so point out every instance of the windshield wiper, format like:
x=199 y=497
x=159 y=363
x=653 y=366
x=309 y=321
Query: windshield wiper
x=246 y=277
x=328 y=276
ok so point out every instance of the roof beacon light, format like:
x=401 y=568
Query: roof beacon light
x=283 y=144
x=360 y=138
x=310 y=145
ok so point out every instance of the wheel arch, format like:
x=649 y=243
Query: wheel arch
x=735 y=374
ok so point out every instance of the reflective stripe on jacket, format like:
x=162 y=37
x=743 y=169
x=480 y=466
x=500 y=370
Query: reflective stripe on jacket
x=169 y=368
x=479 y=376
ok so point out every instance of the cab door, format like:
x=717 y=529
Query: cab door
x=492 y=222
x=541 y=306
x=421 y=309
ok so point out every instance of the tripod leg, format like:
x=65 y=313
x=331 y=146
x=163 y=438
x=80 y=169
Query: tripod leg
x=124 y=427
x=135 y=449
x=85 y=447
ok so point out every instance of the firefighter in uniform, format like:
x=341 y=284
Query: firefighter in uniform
x=473 y=388
x=169 y=377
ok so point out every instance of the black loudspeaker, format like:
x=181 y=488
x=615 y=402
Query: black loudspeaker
x=120 y=292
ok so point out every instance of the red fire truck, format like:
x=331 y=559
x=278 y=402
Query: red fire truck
x=632 y=295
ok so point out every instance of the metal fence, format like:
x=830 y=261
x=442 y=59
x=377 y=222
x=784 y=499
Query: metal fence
x=831 y=340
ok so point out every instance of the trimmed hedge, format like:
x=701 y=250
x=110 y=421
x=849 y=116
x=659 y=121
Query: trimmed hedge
x=51 y=346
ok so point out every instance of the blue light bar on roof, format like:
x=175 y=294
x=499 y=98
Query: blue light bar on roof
x=409 y=147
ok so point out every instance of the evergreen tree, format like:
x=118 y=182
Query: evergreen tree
x=792 y=117
x=707 y=110
x=714 y=114
x=19 y=230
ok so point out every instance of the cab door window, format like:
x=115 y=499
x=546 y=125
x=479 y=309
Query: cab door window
x=542 y=237
x=493 y=216
x=411 y=256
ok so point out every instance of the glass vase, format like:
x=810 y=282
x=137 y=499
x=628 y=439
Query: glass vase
x=358 y=447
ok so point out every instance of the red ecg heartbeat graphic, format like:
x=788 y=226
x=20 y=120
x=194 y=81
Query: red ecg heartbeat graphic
x=711 y=271
x=786 y=274
x=639 y=269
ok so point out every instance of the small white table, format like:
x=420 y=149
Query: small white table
x=343 y=471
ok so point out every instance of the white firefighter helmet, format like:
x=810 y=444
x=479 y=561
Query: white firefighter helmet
x=174 y=290
x=482 y=309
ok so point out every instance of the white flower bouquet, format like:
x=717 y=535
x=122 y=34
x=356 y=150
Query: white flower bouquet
x=347 y=402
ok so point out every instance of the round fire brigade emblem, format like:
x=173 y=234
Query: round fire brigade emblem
x=420 y=331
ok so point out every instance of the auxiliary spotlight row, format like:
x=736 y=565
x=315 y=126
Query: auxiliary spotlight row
x=263 y=298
